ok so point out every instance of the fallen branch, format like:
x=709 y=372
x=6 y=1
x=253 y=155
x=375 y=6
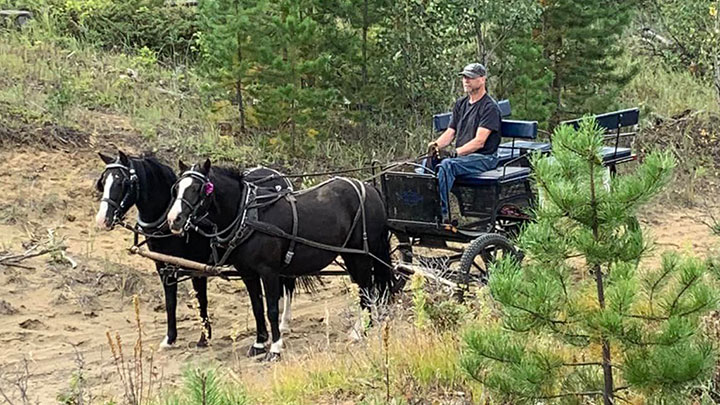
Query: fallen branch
x=14 y=260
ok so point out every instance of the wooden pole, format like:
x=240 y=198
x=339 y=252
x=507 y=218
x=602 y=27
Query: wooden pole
x=180 y=262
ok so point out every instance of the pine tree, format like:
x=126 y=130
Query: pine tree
x=579 y=318
x=582 y=41
x=296 y=92
x=523 y=77
x=231 y=37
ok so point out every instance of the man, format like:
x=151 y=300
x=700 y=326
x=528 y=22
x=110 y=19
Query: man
x=475 y=126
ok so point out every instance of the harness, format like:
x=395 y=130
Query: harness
x=247 y=221
x=131 y=191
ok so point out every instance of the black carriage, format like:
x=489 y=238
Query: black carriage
x=489 y=207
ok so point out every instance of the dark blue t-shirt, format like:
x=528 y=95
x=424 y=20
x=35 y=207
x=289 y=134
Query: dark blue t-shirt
x=466 y=118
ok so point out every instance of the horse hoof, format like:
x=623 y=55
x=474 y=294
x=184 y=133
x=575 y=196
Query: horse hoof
x=271 y=357
x=167 y=344
x=256 y=351
x=202 y=343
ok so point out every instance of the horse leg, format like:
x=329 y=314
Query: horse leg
x=200 y=286
x=255 y=292
x=170 y=287
x=360 y=269
x=288 y=290
x=272 y=297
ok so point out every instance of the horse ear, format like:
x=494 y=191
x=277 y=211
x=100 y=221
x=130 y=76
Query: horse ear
x=206 y=166
x=106 y=158
x=123 y=158
x=183 y=167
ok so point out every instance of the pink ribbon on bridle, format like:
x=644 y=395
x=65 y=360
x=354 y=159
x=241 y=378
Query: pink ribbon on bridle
x=209 y=187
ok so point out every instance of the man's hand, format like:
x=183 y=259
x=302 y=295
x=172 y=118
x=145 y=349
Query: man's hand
x=448 y=153
x=432 y=148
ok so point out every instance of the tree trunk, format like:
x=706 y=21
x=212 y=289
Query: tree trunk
x=241 y=108
x=238 y=80
x=479 y=38
x=608 y=397
x=363 y=99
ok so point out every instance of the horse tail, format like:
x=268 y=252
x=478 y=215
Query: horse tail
x=382 y=266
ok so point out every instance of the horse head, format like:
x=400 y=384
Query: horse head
x=118 y=184
x=192 y=193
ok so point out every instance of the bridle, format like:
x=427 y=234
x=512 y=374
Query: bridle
x=206 y=190
x=130 y=191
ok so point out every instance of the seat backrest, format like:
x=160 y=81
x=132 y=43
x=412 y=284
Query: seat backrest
x=442 y=121
x=612 y=120
x=519 y=129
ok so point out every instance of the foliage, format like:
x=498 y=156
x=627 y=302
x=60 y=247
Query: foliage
x=204 y=386
x=579 y=317
x=581 y=42
x=435 y=308
x=686 y=35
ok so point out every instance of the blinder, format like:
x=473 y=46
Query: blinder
x=130 y=190
x=206 y=190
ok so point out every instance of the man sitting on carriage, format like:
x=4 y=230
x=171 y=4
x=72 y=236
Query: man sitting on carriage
x=475 y=126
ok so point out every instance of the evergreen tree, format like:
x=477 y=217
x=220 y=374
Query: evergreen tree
x=523 y=77
x=418 y=64
x=579 y=318
x=581 y=41
x=296 y=92
x=232 y=32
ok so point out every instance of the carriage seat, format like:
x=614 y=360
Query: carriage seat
x=617 y=125
x=498 y=175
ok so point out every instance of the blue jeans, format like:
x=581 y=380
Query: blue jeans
x=450 y=168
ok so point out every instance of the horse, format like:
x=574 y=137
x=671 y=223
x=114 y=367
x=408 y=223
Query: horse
x=294 y=234
x=147 y=183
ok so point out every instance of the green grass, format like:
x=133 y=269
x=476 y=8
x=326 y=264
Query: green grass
x=427 y=368
x=665 y=93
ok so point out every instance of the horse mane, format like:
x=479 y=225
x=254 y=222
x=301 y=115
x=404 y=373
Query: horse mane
x=235 y=173
x=158 y=168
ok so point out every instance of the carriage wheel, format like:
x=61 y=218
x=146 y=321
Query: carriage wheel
x=479 y=254
x=401 y=251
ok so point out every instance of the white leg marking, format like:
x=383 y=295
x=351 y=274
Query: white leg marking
x=165 y=345
x=287 y=313
x=259 y=345
x=102 y=212
x=176 y=208
x=276 y=347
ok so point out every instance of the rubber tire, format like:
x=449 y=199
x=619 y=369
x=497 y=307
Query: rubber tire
x=406 y=255
x=477 y=247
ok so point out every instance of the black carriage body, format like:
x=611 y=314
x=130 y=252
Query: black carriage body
x=412 y=201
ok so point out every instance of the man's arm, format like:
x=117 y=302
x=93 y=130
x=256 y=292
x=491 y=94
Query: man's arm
x=446 y=138
x=476 y=143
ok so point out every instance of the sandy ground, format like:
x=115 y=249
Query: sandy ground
x=55 y=317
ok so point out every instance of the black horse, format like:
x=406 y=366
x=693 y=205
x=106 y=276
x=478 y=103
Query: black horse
x=147 y=183
x=339 y=213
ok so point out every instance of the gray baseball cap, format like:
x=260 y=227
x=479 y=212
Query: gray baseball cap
x=473 y=71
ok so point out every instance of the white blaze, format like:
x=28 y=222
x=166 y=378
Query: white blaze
x=176 y=208
x=102 y=212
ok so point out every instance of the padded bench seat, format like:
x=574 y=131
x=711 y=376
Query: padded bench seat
x=494 y=176
x=541 y=146
x=609 y=153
